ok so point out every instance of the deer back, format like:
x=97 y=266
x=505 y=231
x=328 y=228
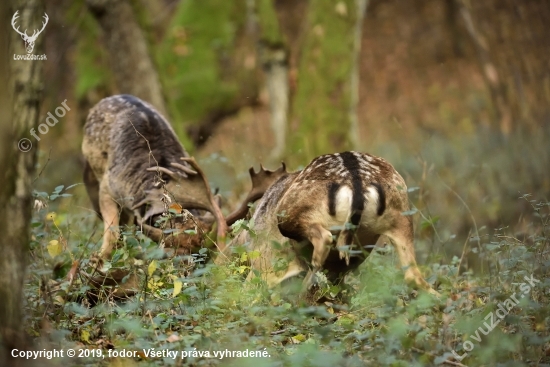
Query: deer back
x=335 y=189
x=119 y=135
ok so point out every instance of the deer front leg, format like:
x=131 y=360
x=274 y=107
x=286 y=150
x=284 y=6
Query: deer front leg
x=110 y=213
x=321 y=239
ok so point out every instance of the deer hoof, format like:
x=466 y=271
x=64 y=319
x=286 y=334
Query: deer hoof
x=344 y=255
x=309 y=280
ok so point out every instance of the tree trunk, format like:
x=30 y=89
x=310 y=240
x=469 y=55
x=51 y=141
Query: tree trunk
x=131 y=62
x=20 y=106
x=503 y=114
x=274 y=57
x=320 y=121
x=361 y=8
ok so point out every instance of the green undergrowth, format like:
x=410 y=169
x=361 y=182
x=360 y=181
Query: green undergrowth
x=190 y=306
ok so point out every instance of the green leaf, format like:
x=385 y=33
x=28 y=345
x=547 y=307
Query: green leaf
x=58 y=189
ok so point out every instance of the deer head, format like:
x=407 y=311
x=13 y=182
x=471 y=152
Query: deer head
x=261 y=181
x=191 y=190
x=181 y=240
x=29 y=40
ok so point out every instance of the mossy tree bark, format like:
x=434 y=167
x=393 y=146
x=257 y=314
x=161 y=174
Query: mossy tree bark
x=20 y=104
x=131 y=62
x=320 y=120
x=209 y=64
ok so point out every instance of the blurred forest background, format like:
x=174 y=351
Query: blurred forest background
x=455 y=93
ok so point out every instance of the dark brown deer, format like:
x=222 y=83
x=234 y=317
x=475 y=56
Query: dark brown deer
x=356 y=196
x=135 y=165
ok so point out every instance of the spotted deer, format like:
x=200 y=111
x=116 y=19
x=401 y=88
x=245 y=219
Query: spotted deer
x=135 y=164
x=355 y=196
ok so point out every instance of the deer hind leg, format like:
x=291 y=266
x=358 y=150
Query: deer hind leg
x=321 y=239
x=110 y=214
x=402 y=238
x=345 y=238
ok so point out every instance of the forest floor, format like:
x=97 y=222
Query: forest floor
x=205 y=315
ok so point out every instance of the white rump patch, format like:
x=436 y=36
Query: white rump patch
x=344 y=198
x=372 y=198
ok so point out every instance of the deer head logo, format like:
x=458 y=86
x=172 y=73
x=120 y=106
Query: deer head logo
x=29 y=40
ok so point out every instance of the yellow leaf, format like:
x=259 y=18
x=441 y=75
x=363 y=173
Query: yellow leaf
x=177 y=287
x=152 y=267
x=54 y=248
x=298 y=338
x=178 y=208
x=85 y=336
x=51 y=216
x=254 y=254
x=153 y=284
x=244 y=257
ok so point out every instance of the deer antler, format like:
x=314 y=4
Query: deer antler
x=35 y=32
x=261 y=181
x=215 y=209
x=13 y=20
x=43 y=26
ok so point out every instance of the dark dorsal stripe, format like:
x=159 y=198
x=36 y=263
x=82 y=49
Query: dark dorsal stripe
x=357 y=203
x=332 y=190
x=381 y=199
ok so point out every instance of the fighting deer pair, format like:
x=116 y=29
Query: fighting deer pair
x=134 y=159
